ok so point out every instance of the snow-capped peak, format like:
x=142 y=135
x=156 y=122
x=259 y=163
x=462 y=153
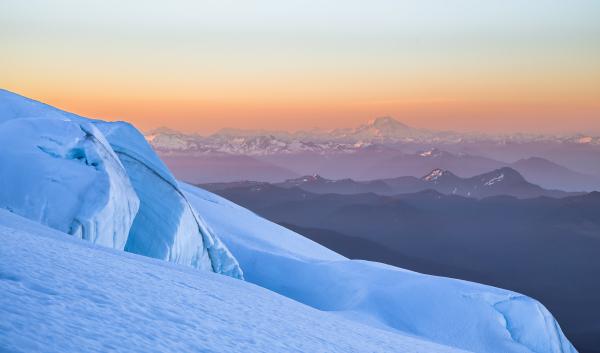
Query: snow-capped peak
x=495 y=180
x=433 y=152
x=305 y=179
x=386 y=122
x=434 y=175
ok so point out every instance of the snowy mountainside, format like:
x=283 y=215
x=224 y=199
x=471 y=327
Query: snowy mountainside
x=102 y=182
x=452 y=312
x=169 y=142
x=383 y=129
x=164 y=210
x=501 y=181
x=61 y=294
x=63 y=173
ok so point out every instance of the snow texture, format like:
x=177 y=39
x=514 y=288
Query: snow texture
x=434 y=175
x=102 y=182
x=451 y=312
x=167 y=227
x=63 y=173
x=494 y=180
x=14 y=106
x=60 y=294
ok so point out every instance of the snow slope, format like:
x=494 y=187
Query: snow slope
x=452 y=312
x=102 y=182
x=60 y=294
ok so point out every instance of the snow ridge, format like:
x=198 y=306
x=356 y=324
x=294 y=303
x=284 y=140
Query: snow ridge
x=179 y=235
x=101 y=182
x=434 y=175
x=64 y=174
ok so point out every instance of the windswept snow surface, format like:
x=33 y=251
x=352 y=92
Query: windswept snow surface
x=452 y=312
x=102 y=182
x=63 y=173
x=60 y=294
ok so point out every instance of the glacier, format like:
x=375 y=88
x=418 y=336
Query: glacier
x=100 y=181
x=61 y=294
x=452 y=312
x=64 y=174
x=166 y=227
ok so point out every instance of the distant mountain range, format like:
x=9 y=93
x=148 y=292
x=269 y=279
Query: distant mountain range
x=383 y=130
x=382 y=148
x=543 y=247
x=369 y=165
x=503 y=181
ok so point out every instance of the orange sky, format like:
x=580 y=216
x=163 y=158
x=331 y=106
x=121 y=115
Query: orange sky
x=204 y=65
x=208 y=117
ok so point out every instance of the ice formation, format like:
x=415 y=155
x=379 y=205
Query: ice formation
x=102 y=182
x=166 y=227
x=63 y=173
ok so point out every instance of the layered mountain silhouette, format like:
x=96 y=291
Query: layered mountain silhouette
x=209 y=168
x=320 y=185
x=381 y=148
x=367 y=163
x=380 y=162
x=555 y=176
x=503 y=181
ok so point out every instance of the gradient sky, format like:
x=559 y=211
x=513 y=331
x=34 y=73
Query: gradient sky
x=494 y=66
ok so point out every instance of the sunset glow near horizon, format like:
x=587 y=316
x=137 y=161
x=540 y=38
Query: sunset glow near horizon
x=198 y=66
